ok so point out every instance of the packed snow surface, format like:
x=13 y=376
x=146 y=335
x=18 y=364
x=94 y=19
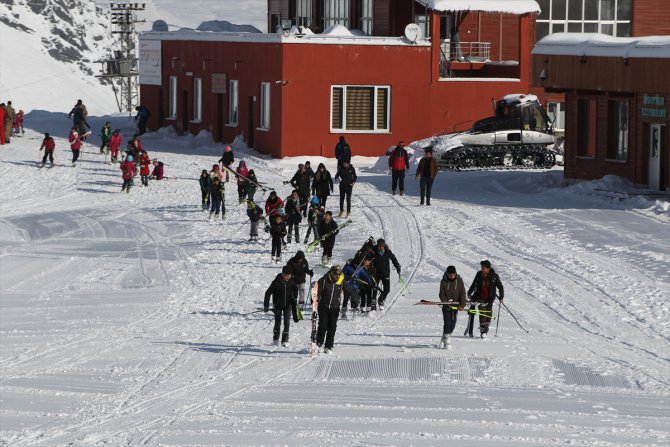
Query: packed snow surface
x=127 y=319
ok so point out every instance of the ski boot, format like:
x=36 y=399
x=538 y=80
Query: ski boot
x=348 y=214
x=443 y=342
x=340 y=214
x=343 y=314
x=275 y=341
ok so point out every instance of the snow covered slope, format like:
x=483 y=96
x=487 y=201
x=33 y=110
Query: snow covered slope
x=126 y=318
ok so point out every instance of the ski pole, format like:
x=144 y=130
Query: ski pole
x=253 y=312
x=498 y=322
x=510 y=312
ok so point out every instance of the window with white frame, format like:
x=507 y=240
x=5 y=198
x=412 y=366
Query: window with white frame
x=556 y=112
x=611 y=17
x=336 y=11
x=424 y=23
x=265 y=105
x=233 y=102
x=197 y=99
x=172 y=98
x=617 y=141
x=303 y=13
x=366 y=16
x=360 y=108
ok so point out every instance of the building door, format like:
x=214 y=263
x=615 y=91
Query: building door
x=252 y=125
x=184 y=114
x=161 y=115
x=219 y=117
x=657 y=149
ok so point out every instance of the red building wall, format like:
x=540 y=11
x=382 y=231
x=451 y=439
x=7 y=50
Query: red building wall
x=651 y=18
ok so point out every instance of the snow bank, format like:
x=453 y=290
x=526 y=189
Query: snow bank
x=508 y=6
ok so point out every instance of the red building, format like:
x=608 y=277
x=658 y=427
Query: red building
x=617 y=101
x=294 y=92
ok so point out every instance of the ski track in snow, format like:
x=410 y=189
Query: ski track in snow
x=123 y=319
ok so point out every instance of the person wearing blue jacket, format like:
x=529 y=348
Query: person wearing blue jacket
x=354 y=276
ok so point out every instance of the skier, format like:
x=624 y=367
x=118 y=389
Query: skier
x=383 y=268
x=75 y=145
x=314 y=218
x=105 y=136
x=293 y=216
x=426 y=173
x=127 y=172
x=342 y=152
x=398 y=164
x=283 y=291
x=369 y=248
x=157 y=173
x=300 y=268
x=367 y=290
x=272 y=205
x=482 y=293
x=49 y=145
x=10 y=115
x=79 y=116
x=354 y=275
x=327 y=295
x=243 y=173
x=347 y=176
x=2 y=124
x=227 y=159
x=18 y=124
x=143 y=114
x=328 y=225
x=277 y=231
x=217 y=192
x=144 y=162
x=301 y=182
x=250 y=187
x=255 y=213
x=205 y=185
x=216 y=173
x=322 y=185
x=452 y=290
x=114 y=145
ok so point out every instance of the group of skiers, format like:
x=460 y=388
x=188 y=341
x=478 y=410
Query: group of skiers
x=11 y=122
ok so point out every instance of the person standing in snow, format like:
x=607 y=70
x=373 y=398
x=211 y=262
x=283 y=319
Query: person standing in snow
x=18 y=124
x=79 y=116
x=227 y=160
x=272 y=206
x=293 y=216
x=205 y=185
x=242 y=174
x=49 y=145
x=283 y=291
x=382 y=261
x=277 y=232
x=482 y=293
x=342 y=152
x=115 y=145
x=105 y=137
x=75 y=145
x=322 y=185
x=347 y=176
x=426 y=173
x=300 y=268
x=367 y=290
x=452 y=290
x=314 y=218
x=127 y=172
x=255 y=214
x=10 y=115
x=398 y=164
x=354 y=275
x=301 y=182
x=327 y=295
x=217 y=192
x=2 y=123
x=142 y=117
x=250 y=186
x=144 y=163
x=308 y=169
x=327 y=226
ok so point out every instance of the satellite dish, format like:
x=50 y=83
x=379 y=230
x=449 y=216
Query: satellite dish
x=160 y=26
x=413 y=32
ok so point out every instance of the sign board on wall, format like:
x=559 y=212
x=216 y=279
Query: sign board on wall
x=654 y=112
x=219 y=82
x=150 y=62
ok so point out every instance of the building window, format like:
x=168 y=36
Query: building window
x=556 y=112
x=586 y=132
x=360 y=108
x=197 y=99
x=424 y=23
x=303 y=13
x=172 y=99
x=611 y=17
x=617 y=125
x=265 y=105
x=233 y=102
x=336 y=12
x=366 y=16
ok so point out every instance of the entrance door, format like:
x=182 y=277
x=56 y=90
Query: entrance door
x=184 y=115
x=252 y=124
x=656 y=155
x=219 y=117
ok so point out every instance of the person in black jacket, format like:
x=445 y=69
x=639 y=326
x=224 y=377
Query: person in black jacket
x=482 y=293
x=227 y=160
x=277 y=231
x=301 y=182
x=322 y=185
x=283 y=291
x=300 y=268
x=327 y=225
x=327 y=295
x=255 y=214
x=342 y=152
x=347 y=176
x=383 y=270
x=293 y=216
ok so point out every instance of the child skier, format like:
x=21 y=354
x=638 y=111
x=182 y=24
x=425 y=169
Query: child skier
x=452 y=290
x=292 y=209
x=105 y=136
x=205 y=185
x=144 y=168
x=277 y=231
x=49 y=145
x=115 y=145
x=250 y=186
x=18 y=124
x=355 y=276
x=313 y=219
x=216 y=192
x=283 y=292
x=255 y=214
x=243 y=173
x=127 y=172
x=328 y=225
x=75 y=145
x=327 y=296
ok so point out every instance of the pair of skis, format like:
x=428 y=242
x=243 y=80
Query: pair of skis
x=312 y=245
x=453 y=305
x=258 y=185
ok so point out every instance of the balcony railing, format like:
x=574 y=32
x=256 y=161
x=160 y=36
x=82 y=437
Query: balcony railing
x=466 y=51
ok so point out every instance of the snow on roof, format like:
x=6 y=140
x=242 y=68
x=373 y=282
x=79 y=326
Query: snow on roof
x=594 y=44
x=506 y=6
x=336 y=30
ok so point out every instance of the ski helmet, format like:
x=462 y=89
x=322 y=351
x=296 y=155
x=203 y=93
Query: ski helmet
x=280 y=211
x=215 y=168
x=129 y=158
x=334 y=273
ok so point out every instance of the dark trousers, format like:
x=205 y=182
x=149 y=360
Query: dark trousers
x=126 y=184
x=327 y=326
x=322 y=200
x=366 y=298
x=205 y=198
x=385 y=284
x=328 y=250
x=216 y=205
x=303 y=204
x=355 y=299
x=50 y=155
x=426 y=185
x=75 y=155
x=286 y=315
x=312 y=227
x=276 y=246
x=345 y=192
x=449 y=316
x=241 y=192
x=291 y=226
x=484 y=317
x=253 y=232
x=142 y=126
x=145 y=180
x=398 y=177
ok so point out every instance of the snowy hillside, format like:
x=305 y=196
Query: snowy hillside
x=130 y=319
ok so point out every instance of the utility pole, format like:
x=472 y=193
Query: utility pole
x=122 y=68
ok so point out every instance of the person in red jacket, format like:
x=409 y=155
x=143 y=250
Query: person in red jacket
x=399 y=164
x=157 y=172
x=272 y=205
x=49 y=145
x=144 y=168
x=2 y=123
x=75 y=145
x=127 y=172
x=114 y=145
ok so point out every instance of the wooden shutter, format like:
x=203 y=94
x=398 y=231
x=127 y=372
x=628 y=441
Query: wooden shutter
x=360 y=108
x=382 y=109
x=336 y=118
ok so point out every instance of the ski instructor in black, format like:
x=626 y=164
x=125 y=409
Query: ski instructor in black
x=284 y=292
x=483 y=292
x=383 y=256
x=328 y=296
x=347 y=176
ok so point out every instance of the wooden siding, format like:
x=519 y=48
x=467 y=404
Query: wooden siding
x=651 y=18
